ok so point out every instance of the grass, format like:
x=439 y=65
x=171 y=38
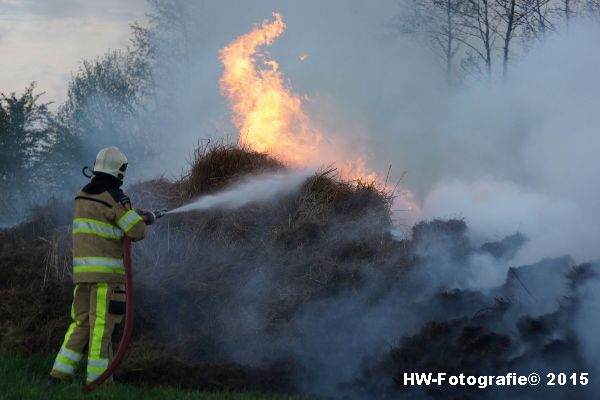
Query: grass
x=25 y=377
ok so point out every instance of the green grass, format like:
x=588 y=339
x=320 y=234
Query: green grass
x=25 y=377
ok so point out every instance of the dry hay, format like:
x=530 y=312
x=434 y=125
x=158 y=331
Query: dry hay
x=33 y=290
x=216 y=164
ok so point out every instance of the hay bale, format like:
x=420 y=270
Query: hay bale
x=215 y=165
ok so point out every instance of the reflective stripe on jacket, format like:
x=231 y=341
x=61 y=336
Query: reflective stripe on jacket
x=99 y=226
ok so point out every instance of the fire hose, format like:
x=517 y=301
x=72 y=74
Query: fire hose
x=127 y=331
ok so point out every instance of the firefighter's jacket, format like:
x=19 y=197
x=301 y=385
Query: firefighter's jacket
x=100 y=223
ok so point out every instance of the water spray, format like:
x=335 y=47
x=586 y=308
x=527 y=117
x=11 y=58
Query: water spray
x=253 y=189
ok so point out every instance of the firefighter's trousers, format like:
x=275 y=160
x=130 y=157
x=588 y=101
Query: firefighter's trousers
x=97 y=308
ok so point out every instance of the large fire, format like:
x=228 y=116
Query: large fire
x=268 y=115
x=271 y=117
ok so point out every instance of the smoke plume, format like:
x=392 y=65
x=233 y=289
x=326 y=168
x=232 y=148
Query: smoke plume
x=508 y=158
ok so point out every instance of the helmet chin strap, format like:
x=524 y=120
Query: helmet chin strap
x=87 y=172
x=123 y=168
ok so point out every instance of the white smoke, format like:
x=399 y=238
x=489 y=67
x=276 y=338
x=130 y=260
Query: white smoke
x=522 y=157
x=252 y=189
x=493 y=209
x=586 y=324
x=510 y=157
x=531 y=141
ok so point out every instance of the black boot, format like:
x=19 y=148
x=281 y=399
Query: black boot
x=53 y=381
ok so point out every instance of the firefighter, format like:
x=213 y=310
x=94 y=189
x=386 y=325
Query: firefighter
x=103 y=216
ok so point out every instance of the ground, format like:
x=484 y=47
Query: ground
x=24 y=377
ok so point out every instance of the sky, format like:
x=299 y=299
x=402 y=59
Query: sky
x=45 y=40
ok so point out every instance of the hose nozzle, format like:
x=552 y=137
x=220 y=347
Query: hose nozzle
x=159 y=213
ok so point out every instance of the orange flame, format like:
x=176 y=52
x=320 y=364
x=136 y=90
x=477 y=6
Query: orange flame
x=270 y=116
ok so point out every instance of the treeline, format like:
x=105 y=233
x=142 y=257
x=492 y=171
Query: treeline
x=41 y=150
x=125 y=98
x=479 y=37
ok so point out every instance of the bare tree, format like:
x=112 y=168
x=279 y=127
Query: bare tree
x=514 y=14
x=478 y=27
x=592 y=7
x=477 y=34
x=438 y=21
x=170 y=26
x=568 y=10
x=540 y=14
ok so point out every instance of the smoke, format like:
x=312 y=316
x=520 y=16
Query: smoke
x=492 y=209
x=519 y=157
x=530 y=141
x=586 y=322
x=250 y=190
x=513 y=157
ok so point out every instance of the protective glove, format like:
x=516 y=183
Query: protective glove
x=147 y=216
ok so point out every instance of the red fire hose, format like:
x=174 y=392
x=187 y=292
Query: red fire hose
x=128 y=322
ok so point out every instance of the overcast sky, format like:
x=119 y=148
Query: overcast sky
x=44 y=40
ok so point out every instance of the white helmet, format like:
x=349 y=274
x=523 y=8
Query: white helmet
x=111 y=161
